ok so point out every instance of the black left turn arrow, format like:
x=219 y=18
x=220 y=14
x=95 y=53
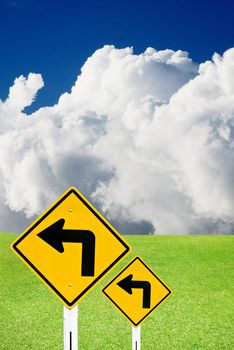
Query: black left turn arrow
x=127 y=284
x=55 y=236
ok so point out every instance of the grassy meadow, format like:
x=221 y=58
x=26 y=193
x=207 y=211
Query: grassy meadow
x=199 y=314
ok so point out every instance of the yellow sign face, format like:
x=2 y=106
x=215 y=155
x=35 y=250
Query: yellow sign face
x=70 y=247
x=136 y=291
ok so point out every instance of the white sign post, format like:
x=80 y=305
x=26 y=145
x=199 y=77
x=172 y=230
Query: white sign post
x=70 y=328
x=136 y=336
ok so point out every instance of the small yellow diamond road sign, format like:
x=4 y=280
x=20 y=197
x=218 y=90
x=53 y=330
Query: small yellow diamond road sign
x=136 y=291
x=70 y=247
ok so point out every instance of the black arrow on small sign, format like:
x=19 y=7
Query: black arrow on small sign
x=55 y=236
x=127 y=284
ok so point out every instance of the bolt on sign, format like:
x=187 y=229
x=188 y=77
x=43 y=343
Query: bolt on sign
x=136 y=291
x=70 y=247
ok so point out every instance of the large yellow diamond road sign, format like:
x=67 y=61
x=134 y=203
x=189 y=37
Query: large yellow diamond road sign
x=136 y=291
x=70 y=247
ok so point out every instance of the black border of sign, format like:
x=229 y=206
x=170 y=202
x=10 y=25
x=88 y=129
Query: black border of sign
x=127 y=248
x=103 y=290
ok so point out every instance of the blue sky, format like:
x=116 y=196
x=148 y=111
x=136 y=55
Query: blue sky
x=55 y=38
x=152 y=115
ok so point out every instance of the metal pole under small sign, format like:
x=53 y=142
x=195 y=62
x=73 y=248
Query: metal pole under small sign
x=70 y=328
x=136 y=337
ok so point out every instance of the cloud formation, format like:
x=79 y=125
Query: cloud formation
x=148 y=138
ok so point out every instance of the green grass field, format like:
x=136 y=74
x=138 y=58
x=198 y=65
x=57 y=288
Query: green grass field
x=198 y=314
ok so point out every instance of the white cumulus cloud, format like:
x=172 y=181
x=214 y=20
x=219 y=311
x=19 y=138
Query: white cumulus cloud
x=149 y=138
